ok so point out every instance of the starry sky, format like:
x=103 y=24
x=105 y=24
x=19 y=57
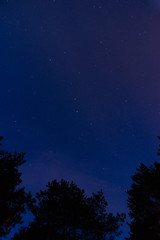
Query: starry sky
x=80 y=87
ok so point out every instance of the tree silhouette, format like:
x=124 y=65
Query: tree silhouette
x=12 y=197
x=144 y=203
x=64 y=212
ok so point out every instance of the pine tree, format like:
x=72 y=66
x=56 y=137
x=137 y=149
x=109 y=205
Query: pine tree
x=64 y=212
x=144 y=203
x=13 y=198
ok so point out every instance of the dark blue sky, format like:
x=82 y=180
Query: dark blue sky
x=80 y=90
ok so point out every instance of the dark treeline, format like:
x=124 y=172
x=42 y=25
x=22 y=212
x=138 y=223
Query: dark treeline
x=64 y=212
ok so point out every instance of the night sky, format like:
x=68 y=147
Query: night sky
x=79 y=90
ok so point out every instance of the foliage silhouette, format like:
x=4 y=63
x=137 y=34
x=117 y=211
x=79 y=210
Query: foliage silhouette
x=144 y=203
x=13 y=198
x=64 y=212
